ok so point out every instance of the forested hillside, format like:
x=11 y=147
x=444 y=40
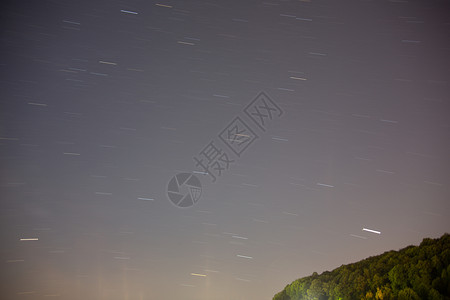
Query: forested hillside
x=415 y=272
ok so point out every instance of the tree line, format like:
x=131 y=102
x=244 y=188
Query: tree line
x=414 y=272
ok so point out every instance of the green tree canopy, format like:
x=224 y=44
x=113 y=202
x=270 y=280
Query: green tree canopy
x=415 y=272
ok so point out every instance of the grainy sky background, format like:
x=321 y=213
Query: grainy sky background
x=103 y=102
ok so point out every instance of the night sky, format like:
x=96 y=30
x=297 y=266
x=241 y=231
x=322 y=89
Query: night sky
x=104 y=102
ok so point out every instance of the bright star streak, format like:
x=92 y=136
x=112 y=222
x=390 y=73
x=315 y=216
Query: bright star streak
x=370 y=230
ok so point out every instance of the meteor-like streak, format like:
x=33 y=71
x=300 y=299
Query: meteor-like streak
x=370 y=230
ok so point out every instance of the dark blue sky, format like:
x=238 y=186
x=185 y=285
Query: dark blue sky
x=103 y=102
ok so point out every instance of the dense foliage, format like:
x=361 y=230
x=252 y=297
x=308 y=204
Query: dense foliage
x=415 y=272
